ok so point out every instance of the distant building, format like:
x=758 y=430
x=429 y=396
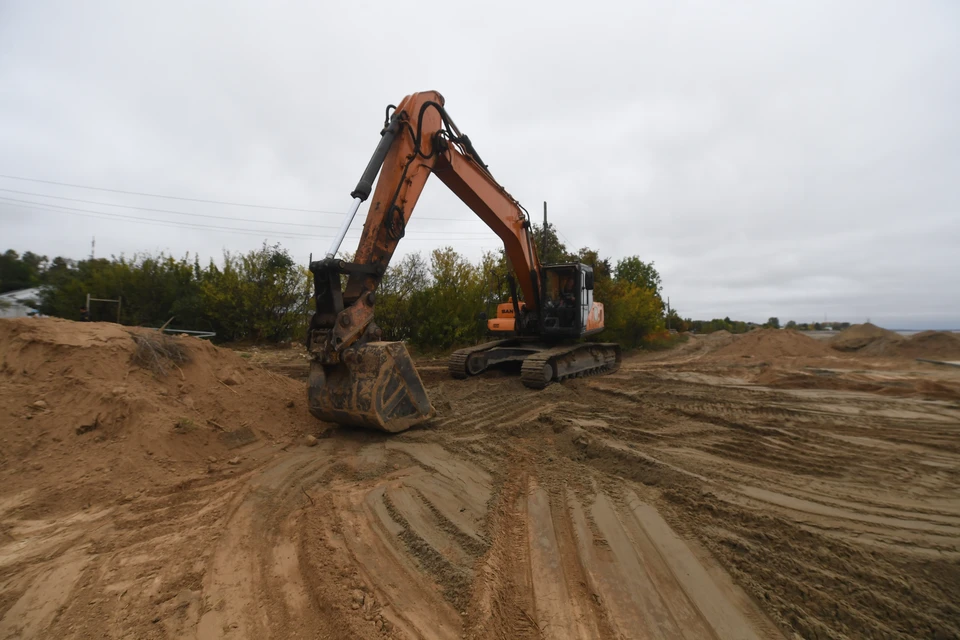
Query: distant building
x=19 y=304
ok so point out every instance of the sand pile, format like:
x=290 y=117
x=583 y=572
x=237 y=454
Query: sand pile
x=717 y=339
x=932 y=344
x=707 y=342
x=83 y=404
x=773 y=343
x=870 y=340
x=867 y=339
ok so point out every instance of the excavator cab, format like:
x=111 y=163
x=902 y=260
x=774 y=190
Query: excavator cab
x=567 y=300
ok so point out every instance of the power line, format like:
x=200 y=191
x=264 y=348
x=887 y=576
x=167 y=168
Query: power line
x=168 y=197
x=565 y=239
x=158 y=195
x=178 y=213
x=104 y=213
x=164 y=223
x=178 y=225
x=206 y=215
x=188 y=225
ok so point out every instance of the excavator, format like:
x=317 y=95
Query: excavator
x=356 y=378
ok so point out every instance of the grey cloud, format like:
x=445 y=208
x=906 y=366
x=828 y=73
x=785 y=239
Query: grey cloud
x=772 y=159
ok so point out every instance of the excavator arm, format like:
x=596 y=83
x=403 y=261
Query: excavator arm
x=355 y=378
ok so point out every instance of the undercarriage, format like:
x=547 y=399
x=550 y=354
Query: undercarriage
x=540 y=363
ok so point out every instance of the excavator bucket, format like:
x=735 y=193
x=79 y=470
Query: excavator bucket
x=376 y=386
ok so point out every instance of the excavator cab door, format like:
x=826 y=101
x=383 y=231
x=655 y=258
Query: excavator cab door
x=586 y=293
x=564 y=300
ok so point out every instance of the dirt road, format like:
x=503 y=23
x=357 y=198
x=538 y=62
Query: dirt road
x=669 y=500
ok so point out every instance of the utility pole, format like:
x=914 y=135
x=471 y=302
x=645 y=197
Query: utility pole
x=93 y=247
x=543 y=245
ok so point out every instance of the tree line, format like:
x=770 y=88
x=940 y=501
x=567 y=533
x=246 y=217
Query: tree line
x=818 y=326
x=674 y=321
x=20 y=272
x=261 y=295
x=433 y=301
x=718 y=324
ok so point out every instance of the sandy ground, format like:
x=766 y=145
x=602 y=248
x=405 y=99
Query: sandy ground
x=696 y=493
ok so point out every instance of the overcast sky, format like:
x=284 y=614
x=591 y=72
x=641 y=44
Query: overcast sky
x=792 y=159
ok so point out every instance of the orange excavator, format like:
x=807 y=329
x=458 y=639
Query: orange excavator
x=356 y=378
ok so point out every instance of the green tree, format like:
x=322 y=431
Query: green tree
x=35 y=262
x=720 y=324
x=601 y=266
x=773 y=323
x=445 y=313
x=675 y=322
x=553 y=251
x=640 y=273
x=261 y=295
x=791 y=324
x=631 y=312
x=399 y=285
x=151 y=288
x=495 y=274
x=20 y=272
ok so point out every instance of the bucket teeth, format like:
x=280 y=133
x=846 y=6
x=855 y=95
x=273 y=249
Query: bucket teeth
x=376 y=386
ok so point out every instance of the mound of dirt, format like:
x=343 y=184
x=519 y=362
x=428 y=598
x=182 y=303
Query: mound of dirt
x=871 y=340
x=718 y=339
x=773 y=343
x=92 y=410
x=886 y=346
x=932 y=344
x=868 y=339
x=707 y=342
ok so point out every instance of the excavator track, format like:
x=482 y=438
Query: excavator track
x=459 y=363
x=570 y=361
